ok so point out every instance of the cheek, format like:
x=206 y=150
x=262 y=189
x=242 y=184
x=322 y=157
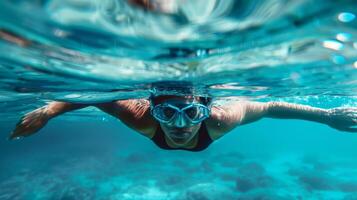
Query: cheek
x=162 y=124
x=164 y=127
x=196 y=128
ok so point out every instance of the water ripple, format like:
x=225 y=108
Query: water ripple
x=92 y=51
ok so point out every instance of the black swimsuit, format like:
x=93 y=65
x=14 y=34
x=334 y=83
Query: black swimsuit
x=204 y=140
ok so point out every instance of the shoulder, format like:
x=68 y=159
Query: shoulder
x=223 y=119
x=135 y=113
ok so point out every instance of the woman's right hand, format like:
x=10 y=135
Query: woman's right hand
x=30 y=123
x=343 y=119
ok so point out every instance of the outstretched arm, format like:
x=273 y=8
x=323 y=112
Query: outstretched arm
x=33 y=121
x=343 y=119
x=134 y=113
x=227 y=117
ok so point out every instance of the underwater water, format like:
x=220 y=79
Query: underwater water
x=90 y=51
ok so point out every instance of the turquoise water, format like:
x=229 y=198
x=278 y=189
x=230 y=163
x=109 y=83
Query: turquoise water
x=89 y=51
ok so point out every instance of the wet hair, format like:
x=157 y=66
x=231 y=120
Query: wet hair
x=206 y=100
x=167 y=89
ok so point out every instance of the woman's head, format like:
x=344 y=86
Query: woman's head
x=180 y=117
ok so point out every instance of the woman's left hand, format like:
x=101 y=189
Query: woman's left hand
x=343 y=119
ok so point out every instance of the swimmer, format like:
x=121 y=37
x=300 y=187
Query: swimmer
x=189 y=122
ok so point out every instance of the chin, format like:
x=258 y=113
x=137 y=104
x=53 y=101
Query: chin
x=180 y=141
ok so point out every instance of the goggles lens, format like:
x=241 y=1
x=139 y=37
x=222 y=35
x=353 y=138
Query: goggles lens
x=194 y=112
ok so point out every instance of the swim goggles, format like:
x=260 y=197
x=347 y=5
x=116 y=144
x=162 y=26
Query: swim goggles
x=194 y=112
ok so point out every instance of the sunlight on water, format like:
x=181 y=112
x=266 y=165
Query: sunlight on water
x=287 y=48
x=346 y=17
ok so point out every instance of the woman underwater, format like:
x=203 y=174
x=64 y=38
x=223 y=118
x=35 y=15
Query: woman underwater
x=186 y=122
x=189 y=122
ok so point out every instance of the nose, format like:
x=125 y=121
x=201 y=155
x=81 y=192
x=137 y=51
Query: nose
x=180 y=121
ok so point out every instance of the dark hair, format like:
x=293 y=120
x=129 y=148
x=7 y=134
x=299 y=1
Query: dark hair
x=206 y=100
x=177 y=88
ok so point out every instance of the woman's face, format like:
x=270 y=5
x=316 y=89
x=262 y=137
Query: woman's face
x=180 y=131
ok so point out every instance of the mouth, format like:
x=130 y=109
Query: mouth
x=180 y=135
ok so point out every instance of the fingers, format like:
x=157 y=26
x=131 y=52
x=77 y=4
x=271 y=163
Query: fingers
x=19 y=132
x=348 y=129
x=351 y=130
x=14 y=136
x=28 y=124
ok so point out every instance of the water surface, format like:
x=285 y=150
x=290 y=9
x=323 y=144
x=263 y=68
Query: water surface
x=89 y=51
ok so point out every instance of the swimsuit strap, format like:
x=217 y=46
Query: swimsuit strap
x=204 y=140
